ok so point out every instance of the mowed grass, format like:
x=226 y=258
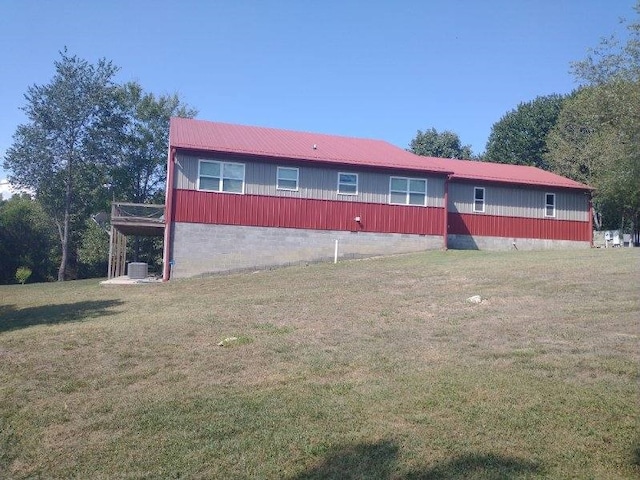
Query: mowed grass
x=375 y=368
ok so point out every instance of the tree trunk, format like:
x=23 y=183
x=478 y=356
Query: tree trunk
x=60 y=236
x=64 y=238
x=597 y=220
x=64 y=241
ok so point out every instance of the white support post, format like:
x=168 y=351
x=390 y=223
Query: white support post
x=110 y=267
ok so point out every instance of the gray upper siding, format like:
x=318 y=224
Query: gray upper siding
x=518 y=201
x=314 y=182
x=373 y=187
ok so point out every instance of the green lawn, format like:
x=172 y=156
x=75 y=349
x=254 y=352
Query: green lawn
x=374 y=368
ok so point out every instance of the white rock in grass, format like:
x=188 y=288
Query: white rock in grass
x=227 y=341
x=475 y=299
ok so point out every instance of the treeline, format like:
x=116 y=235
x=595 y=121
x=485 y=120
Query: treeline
x=88 y=140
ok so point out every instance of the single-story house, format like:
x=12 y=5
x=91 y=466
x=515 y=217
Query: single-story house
x=243 y=197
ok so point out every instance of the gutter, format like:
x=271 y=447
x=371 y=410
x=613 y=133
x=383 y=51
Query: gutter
x=445 y=207
x=168 y=216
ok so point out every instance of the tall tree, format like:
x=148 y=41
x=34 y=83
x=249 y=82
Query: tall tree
x=446 y=144
x=520 y=136
x=596 y=142
x=74 y=122
x=139 y=174
x=597 y=137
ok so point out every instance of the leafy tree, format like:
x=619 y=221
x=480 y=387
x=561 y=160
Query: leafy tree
x=140 y=174
x=445 y=144
x=64 y=150
x=597 y=138
x=520 y=136
x=26 y=239
x=595 y=142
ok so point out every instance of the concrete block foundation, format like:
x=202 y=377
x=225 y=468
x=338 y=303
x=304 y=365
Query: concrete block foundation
x=468 y=242
x=202 y=249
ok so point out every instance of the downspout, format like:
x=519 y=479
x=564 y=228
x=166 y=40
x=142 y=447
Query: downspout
x=168 y=216
x=445 y=225
x=591 y=219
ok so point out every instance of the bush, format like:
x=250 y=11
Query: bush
x=23 y=274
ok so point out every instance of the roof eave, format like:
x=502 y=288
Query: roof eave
x=526 y=183
x=300 y=158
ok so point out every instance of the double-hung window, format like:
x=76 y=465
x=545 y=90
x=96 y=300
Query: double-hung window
x=215 y=176
x=347 y=183
x=407 y=191
x=550 y=205
x=478 y=199
x=287 y=178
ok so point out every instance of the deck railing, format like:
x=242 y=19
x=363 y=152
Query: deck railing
x=134 y=211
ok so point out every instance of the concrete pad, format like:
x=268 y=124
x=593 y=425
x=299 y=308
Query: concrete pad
x=125 y=280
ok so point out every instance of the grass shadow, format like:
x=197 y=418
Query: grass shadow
x=481 y=466
x=379 y=460
x=368 y=460
x=12 y=318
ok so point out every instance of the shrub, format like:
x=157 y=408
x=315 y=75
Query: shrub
x=23 y=274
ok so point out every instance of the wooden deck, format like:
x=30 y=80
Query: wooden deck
x=138 y=219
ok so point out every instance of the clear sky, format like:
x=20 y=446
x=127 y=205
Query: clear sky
x=376 y=69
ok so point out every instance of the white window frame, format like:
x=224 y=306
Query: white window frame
x=407 y=193
x=278 y=179
x=547 y=205
x=343 y=183
x=222 y=177
x=475 y=200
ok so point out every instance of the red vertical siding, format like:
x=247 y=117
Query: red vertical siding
x=518 y=227
x=265 y=211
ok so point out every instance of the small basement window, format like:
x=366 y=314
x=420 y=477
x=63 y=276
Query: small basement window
x=347 y=183
x=407 y=191
x=478 y=199
x=550 y=205
x=287 y=178
x=214 y=176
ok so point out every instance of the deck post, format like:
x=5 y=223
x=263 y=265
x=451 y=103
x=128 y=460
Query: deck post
x=110 y=267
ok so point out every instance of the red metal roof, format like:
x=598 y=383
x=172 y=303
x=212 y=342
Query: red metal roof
x=272 y=142
x=315 y=147
x=506 y=173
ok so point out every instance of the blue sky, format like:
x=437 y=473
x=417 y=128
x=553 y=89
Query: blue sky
x=376 y=69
